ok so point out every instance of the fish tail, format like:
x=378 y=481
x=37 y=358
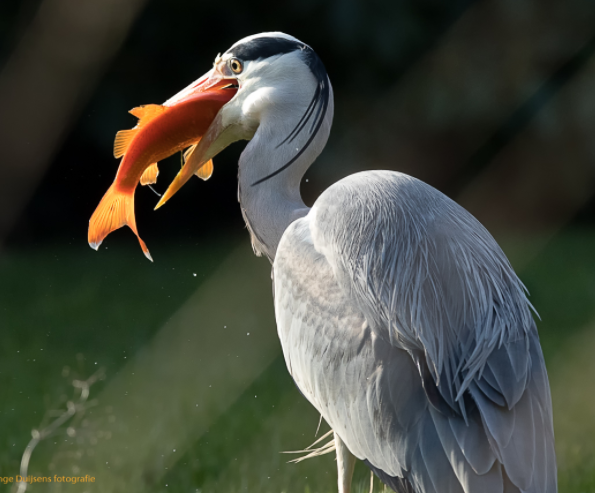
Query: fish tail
x=115 y=210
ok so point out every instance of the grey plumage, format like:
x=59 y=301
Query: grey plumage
x=400 y=318
x=384 y=272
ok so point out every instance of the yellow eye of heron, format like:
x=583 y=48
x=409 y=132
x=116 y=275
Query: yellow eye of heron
x=235 y=65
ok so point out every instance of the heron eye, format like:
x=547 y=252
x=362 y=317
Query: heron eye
x=235 y=65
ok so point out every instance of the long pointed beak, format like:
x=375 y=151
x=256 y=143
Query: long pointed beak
x=212 y=83
x=213 y=141
x=212 y=80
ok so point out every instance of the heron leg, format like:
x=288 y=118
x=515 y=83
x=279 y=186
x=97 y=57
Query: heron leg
x=345 y=465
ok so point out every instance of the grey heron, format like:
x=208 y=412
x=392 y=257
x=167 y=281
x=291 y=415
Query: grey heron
x=400 y=318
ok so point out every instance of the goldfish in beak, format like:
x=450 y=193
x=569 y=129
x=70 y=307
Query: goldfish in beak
x=162 y=130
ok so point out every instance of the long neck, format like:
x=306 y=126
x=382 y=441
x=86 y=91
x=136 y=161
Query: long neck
x=269 y=207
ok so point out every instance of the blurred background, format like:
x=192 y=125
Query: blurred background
x=490 y=101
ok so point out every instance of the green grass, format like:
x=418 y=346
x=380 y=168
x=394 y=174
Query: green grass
x=66 y=311
x=232 y=406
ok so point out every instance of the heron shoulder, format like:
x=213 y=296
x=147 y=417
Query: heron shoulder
x=389 y=195
x=391 y=213
x=429 y=279
x=426 y=274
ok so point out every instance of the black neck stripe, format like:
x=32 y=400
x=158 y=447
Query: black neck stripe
x=319 y=103
x=269 y=46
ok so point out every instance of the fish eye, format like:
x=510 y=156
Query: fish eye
x=235 y=65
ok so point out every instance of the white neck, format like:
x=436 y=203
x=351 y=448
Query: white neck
x=271 y=206
x=268 y=207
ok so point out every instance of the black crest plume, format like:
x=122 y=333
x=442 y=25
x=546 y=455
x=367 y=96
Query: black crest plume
x=311 y=120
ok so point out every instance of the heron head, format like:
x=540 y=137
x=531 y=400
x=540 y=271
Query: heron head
x=282 y=85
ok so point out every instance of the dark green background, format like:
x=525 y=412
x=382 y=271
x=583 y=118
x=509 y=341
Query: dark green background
x=492 y=102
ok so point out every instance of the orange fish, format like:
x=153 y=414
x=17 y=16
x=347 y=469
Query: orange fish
x=162 y=130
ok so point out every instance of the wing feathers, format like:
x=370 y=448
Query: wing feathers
x=425 y=272
x=489 y=481
x=432 y=287
x=499 y=364
x=419 y=475
x=527 y=454
x=489 y=391
x=471 y=440
x=541 y=473
x=499 y=421
x=438 y=467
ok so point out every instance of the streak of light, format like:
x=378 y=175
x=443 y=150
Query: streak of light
x=46 y=81
x=177 y=386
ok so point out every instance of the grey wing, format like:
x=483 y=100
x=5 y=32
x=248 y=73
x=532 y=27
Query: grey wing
x=369 y=392
x=403 y=323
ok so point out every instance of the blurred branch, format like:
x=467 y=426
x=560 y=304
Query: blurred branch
x=46 y=81
x=161 y=403
x=72 y=409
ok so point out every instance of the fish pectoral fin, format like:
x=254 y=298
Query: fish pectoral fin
x=123 y=139
x=147 y=112
x=205 y=171
x=149 y=176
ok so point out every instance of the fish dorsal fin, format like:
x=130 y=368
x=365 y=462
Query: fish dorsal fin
x=205 y=171
x=147 y=112
x=144 y=114
x=123 y=139
x=150 y=175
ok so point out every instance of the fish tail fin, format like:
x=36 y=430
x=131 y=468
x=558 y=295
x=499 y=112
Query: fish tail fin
x=115 y=210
